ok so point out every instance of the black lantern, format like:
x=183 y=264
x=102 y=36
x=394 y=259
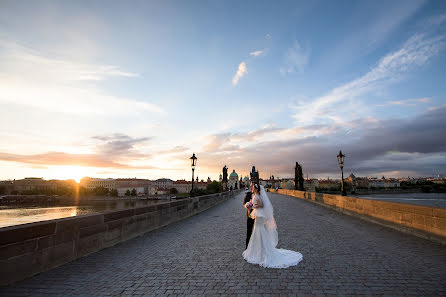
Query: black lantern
x=341 y=164
x=193 y=163
x=341 y=159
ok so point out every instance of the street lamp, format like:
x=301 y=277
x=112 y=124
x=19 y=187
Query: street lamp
x=341 y=164
x=193 y=163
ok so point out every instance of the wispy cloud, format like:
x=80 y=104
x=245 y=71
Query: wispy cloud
x=256 y=53
x=367 y=143
x=241 y=71
x=64 y=159
x=296 y=58
x=113 y=151
x=175 y=150
x=415 y=52
x=29 y=78
x=408 y=102
x=120 y=145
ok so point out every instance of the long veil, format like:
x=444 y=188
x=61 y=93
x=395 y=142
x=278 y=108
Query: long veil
x=270 y=222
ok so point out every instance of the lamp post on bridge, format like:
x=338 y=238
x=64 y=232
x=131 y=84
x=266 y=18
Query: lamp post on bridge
x=341 y=164
x=193 y=162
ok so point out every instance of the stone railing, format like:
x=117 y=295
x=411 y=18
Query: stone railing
x=28 y=249
x=422 y=221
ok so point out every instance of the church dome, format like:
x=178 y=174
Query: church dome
x=233 y=174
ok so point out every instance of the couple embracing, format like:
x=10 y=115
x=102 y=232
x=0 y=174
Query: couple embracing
x=262 y=237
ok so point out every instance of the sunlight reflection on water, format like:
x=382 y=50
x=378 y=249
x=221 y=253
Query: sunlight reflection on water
x=17 y=216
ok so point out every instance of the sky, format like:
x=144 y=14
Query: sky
x=133 y=88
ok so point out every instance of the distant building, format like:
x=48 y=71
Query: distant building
x=391 y=183
x=163 y=183
x=357 y=182
x=92 y=183
x=376 y=183
x=122 y=185
x=35 y=183
x=329 y=184
x=438 y=180
x=162 y=191
x=233 y=180
x=39 y=184
x=285 y=183
x=310 y=185
x=184 y=186
x=142 y=187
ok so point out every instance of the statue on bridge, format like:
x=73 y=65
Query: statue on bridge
x=224 y=181
x=298 y=178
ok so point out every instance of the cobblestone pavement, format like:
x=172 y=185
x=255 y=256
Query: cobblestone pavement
x=201 y=256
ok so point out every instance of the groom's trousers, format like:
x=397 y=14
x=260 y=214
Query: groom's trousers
x=249 y=225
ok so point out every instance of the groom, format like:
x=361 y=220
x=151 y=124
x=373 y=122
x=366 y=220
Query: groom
x=249 y=221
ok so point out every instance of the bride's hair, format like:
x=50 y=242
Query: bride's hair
x=256 y=186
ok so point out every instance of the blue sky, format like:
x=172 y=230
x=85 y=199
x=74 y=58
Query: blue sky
x=125 y=89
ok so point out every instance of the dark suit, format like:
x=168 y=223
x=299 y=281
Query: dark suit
x=249 y=221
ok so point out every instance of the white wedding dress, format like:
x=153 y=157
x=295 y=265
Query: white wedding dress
x=262 y=244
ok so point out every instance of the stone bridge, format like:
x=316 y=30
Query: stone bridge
x=201 y=256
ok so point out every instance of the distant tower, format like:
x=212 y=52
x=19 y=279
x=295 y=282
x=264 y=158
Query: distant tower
x=255 y=176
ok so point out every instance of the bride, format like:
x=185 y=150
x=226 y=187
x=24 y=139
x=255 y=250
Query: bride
x=262 y=245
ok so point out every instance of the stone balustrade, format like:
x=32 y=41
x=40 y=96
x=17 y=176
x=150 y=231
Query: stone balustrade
x=422 y=221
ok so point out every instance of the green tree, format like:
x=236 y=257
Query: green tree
x=199 y=192
x=84 y=191
x=114 y=193
x=173 y=191
x=133 y=193
x=100 y=191
x=2 y=190
x=214 y=187
x=127 y=193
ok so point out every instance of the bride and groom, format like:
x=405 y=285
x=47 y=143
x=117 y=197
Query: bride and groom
x=261 y=244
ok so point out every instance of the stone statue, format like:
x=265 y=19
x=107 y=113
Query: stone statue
x=225 y=174
x=298 y=178
x=224 y=181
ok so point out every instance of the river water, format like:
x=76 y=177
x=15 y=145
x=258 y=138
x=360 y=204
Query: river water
x=424 y=199
x=14 y=215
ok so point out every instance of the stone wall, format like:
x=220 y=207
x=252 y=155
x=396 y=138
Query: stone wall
x=29 y=249
x=422 y=221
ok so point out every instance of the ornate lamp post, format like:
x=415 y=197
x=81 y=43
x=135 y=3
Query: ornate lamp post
x=341 y=164
x=193 y=163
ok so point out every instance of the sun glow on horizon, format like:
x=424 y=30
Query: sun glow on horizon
x=70 y=172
